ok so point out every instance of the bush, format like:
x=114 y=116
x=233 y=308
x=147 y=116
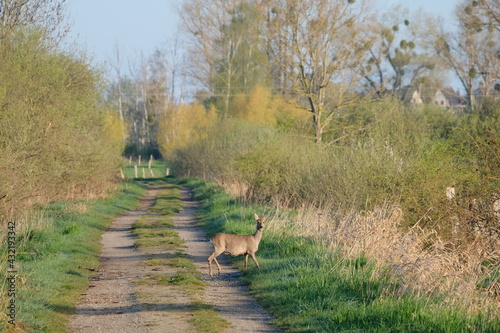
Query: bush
x=214 y=156
x=365 y=167
x=378 y=153
x=183 y=125
x=53 y=140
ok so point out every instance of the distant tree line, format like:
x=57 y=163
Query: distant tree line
x=322 y=56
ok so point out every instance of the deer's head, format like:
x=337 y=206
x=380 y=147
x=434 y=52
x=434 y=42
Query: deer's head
x=260 y=221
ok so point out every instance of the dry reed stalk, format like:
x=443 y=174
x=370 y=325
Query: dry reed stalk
x=236 y=189
x=421 y=260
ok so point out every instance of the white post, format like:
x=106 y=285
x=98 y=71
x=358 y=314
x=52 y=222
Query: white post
x=150 y=161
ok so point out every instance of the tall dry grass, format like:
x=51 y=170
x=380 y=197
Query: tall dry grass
x=421 y=262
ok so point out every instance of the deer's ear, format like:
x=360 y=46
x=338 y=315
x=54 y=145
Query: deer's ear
x=256 y=216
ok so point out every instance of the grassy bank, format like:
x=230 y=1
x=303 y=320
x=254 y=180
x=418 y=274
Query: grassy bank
x=310 y=287
x=57 y=250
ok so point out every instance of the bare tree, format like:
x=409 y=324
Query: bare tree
x=460 y=54
x=225 y=47
x=324 y=48
x=483 y=18
x=228 y=47
x=203 y=22
x=47 y=16
x=398 y=52
x=117 y=64
x=471 y=52
x=176 y=68
x=485 y=12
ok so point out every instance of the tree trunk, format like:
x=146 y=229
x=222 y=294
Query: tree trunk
x=318 y=130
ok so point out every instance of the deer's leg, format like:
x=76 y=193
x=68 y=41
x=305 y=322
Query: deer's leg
x=218 y=266
x=214 y=258
x=255 y=260
x=210 y=266
x=246 y=261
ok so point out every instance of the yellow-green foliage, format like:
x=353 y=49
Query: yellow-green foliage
x=183 y=125
x=257 y=107
x=289 y=114
x=53 y=143
x=115 y=129
x=377 y=153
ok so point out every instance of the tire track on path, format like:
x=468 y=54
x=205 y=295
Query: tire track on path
x=110 y=303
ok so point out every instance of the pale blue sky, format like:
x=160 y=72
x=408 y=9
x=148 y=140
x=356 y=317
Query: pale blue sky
x=139 y=26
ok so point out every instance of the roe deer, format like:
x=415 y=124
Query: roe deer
x=236 y=245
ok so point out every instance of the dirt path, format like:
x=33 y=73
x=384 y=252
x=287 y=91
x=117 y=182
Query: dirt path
x=225 y=291
x=123 y=296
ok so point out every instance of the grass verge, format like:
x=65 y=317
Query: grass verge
x=310 y=288
x=54 y=262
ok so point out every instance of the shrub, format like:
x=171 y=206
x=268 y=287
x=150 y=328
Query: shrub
x=53 y=140
x=378 y=153
x=183 y=125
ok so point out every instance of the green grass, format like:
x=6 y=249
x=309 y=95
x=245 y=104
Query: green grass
x=152 y=242
x=144 y=224
x=180 y=262
x=168 y=201
x=206 y=318
x=153 y=231
x=54 y=263
x=158 y=167
x=309 y=289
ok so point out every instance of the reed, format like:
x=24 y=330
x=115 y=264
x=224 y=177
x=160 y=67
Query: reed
x=464 y=275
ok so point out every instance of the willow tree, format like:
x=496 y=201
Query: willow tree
x=316 y=43
x=184 y=125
